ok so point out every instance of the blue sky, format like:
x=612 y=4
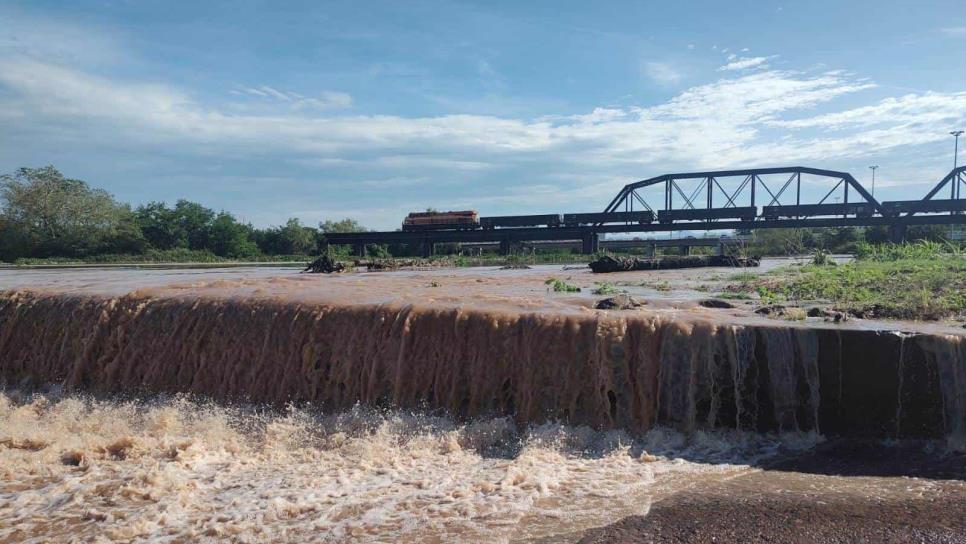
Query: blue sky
x=370 y=110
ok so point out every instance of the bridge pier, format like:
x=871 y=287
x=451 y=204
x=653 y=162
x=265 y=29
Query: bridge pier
x=427 y=248
x=590 y=243
x=359 y=250
x=650 y=250
x=505 y=246
x=897 y=233
x=684 y=249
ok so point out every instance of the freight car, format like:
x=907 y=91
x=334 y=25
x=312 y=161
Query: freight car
x=744 y=213
x=510 y=221
x=858 y=209
x=577 y=219
x=939 y=205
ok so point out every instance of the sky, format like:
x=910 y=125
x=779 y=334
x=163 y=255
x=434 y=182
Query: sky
x=369 y=110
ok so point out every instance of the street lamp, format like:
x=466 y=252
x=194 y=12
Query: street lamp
x=955 y=180
x=873 y=168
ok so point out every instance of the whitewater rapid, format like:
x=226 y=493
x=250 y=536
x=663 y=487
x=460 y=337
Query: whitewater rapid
x=175 y=470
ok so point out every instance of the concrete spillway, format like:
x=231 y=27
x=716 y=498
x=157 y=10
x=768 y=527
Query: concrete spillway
x=630 y=370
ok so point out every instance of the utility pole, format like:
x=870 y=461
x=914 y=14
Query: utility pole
x=873 y=168
x=955 y=181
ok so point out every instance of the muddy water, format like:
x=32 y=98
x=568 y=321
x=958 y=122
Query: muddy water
x=175 y=470
x=550 y=417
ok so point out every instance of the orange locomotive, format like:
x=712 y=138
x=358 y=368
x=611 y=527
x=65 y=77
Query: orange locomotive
x=460 y=220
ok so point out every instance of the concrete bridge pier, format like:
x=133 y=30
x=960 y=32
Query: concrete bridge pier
x=590 y=243
x=684 y=249
x=359 y=250
x=427 y=248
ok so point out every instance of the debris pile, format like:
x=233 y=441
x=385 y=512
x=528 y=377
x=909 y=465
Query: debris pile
x=619 y=302
x=324 y=265
x=623 y=264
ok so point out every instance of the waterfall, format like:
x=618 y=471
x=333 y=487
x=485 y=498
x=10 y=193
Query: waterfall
x=607 y=370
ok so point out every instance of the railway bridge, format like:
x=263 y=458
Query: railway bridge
x=746 y=199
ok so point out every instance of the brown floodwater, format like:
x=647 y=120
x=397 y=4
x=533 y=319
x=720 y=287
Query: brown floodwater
x=259 y=404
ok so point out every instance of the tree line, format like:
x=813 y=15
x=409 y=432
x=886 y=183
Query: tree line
x=44 y=214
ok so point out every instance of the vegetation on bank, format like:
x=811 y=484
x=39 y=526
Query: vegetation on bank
x=46 y=217
x=924 y=280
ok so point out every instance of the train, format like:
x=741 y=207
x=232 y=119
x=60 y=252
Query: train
x=470 y=220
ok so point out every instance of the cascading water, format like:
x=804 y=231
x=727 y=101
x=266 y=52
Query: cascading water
x=606 y=370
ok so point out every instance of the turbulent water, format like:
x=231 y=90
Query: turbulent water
x=175 y=470
x=355 y=409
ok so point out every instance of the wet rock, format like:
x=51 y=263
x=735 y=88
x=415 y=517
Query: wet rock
x=324 y=265
x=716 y=303
x=515 y=267
x=816 y=311
x=619 y=302
x=827 y=314
x=774 y=309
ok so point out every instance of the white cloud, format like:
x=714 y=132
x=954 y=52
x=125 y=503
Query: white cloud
x=728 y=122
x=744 y=63
x=932 y=109
x=324 y=100
x=662 y=72
x=956 y=31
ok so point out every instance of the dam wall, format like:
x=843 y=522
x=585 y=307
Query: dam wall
x=630 y=370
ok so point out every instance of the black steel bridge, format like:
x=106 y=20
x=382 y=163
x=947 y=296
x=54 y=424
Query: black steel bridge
x=748 y=199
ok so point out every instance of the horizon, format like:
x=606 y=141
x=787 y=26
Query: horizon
x=331 y=113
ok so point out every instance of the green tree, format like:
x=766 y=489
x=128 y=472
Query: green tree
x=195 y=222
x=59 y=216
x=346 y=225
x=227 y=237
x=187 y=225
x=157 y=222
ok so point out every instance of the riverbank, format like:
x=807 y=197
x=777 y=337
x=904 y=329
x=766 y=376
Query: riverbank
x=913 y=282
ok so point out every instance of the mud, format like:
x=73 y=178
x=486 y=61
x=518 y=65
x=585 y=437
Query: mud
x=841 y=492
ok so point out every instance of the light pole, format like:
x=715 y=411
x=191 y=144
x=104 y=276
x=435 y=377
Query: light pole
x=955 y=185
x=873 y=168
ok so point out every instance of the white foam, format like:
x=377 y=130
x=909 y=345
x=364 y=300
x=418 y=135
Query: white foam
x=174 y=470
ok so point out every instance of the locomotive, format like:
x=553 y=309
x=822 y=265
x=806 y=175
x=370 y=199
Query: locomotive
x=460 y=220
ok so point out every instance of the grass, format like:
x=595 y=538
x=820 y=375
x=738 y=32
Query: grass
x=559 y=286
x=607 y=288
x=662 y=286
x=923 y=281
